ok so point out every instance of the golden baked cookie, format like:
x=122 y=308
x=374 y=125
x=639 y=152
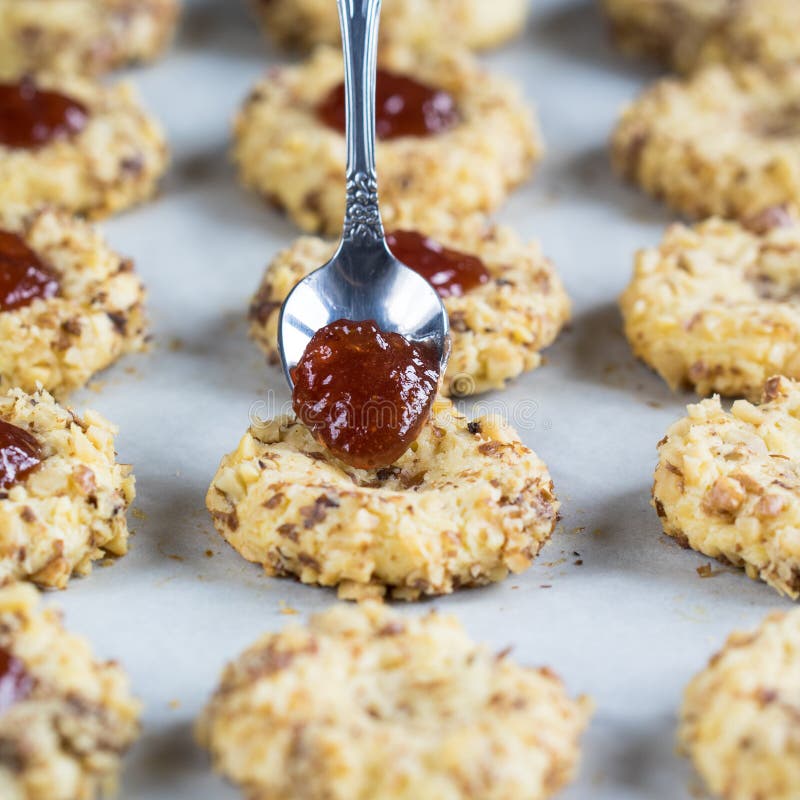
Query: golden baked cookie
x=717 y=306
x=65 y=717
x=67 y=507
x=724 y=141
x=464 y=506
x=82 y=36
x=84 y=311
x=498 y=328
x=671 y=31
x=738 y=722
x=104 y=154
x=727 y=483
x=288 y=153
x=364 y=703
x=471 y=23
x=689 y=33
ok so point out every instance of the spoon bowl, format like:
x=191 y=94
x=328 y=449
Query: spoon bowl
x=363 y=280
x=360 y=284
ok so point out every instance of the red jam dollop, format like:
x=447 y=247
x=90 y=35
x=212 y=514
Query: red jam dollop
x=15 y=682
x=403 y=107
x=23 y=276
x=450 y=272
x=31 y=117
x=364 y=393
x=20 y=454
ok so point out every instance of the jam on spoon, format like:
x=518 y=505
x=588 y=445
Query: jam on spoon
x=20 y=454
x=403 y=107
x=23 y=276
x=450 y=272
x=31 y=117
x=364 y=393
x=15 y=682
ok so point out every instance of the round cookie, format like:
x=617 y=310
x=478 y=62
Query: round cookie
x=727 y=483
x=471 y=23
x=82 y=36
x=112 y=162
x=464 y=506
x=289 y=155
x=689 y=33
x=671 y=31
x=70 y=510
x=724 y=142
x=763 y=32
x=717 y=306
x=738 y=722
x=365 y=703
x=97 y=315
x=65 y=718
x=497 y=329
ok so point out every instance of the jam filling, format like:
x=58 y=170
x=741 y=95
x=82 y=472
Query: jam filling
x=31 y=117
x=364 y=393
x=403 y=107
x=23 y=276
x=451 y=273
x=15 y=683
x=20 y=454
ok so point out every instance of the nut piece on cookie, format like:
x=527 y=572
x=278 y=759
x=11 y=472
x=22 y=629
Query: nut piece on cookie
x=475 y=24
x=738 y=722
x=364 y=703
x=724 y=141
x=484 y=141
x=498 y=328
x=63 y=497
x=69 y=305
x=727 y=483
x=716 y=306
x=464 y=506
x=82 y=36
x=86 y=147
x=65 y=718
x=686 y=34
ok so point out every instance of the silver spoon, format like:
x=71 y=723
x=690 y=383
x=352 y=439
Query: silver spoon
x=363 y=280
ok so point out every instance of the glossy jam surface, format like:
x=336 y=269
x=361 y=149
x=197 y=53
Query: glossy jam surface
x=451 y=273
x=15 y=683
x=20 y=454
x=364 y=393
x=32 y=117
x=23 y=276
x=403 y=107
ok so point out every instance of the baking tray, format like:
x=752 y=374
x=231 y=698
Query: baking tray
x=629 y=625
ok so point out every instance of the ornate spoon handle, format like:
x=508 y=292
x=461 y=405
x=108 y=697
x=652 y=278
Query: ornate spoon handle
x=359 y=21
